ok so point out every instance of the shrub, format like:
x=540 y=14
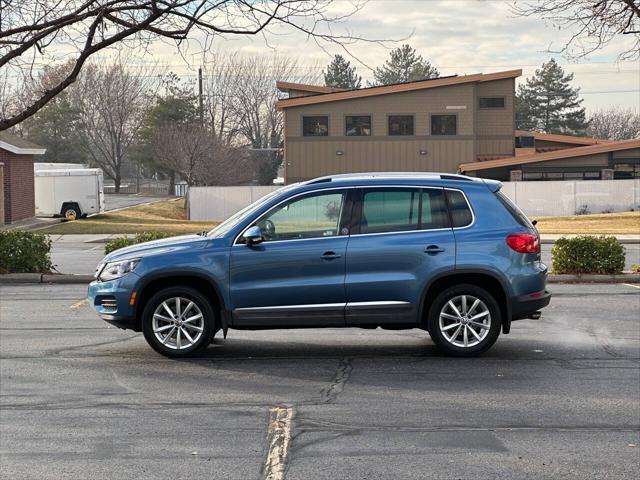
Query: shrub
x=587 y=254
x=635 y=268
x=125 y=241
x=24 y=252
x=583 y=210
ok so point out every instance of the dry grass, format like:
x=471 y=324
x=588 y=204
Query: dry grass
x=165 y=216
x=604 y=223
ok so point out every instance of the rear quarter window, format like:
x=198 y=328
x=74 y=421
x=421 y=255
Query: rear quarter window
x=461 y=215
x=513 y=209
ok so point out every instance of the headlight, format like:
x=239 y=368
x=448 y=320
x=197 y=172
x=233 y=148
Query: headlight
x=114 y=270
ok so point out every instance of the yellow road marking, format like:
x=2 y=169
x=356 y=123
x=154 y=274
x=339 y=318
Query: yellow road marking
x=631 y=285
x=279 y=436
x=75 y=306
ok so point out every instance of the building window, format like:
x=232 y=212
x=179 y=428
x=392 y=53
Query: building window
x=443 y=124
x=358 y=125
x=316 y=126
x=400 y=125
x=626 y=170
x=525 y=141
x=491 y=102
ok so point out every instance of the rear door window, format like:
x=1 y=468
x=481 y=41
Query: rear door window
x=401 y=210
x=391 y=210
x=434 y=210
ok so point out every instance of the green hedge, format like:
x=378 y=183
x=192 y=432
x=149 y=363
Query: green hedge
x=587 y=254
x=125 y=241
x=24 y=252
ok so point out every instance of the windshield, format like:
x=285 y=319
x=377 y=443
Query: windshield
x=231 y=222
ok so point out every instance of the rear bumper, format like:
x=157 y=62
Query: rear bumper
x=525 y=305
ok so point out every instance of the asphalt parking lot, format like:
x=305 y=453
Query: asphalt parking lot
x=114 y=201
x=557 y=398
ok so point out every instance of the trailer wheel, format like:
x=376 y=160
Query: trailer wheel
x=70 y=211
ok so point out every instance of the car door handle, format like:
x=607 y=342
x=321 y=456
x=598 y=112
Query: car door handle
x=330 y=256
x=433 y=249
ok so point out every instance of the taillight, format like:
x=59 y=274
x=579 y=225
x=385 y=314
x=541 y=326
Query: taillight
x=524 y=242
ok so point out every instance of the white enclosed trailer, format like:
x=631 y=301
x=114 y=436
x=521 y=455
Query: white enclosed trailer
x=69 y=192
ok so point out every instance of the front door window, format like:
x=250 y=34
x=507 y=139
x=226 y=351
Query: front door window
x=312 y=216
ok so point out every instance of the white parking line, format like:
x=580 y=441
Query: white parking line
x=278 y=437
x=77 y=305
x=631 y=285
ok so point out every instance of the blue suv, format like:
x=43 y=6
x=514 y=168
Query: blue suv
x=445 y=253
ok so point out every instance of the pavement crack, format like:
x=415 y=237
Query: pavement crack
x=342 y=375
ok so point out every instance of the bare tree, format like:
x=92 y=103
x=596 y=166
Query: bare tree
x=614 y=124
x=593 y=23
x=111 y=100
x=241 y=94
x=36 y=32
x=198 y=156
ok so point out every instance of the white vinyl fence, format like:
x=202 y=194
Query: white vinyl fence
x=534 y=198
x=571 y=196
x=219 y=203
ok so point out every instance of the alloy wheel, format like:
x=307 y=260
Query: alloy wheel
x=464 y=321
x=178 y=323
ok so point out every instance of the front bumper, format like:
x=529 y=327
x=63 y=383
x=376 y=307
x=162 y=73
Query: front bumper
x=112 y=301
x=525 y=305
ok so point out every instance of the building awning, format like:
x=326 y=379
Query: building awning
x=19 y=146
x=612 y=146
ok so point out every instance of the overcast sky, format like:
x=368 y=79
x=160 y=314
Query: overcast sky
x=457 y=36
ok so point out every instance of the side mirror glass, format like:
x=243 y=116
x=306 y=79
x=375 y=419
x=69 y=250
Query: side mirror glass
x=252 y=235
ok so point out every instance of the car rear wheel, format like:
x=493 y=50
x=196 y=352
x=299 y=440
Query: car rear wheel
x=178 y=321
x=464 y=320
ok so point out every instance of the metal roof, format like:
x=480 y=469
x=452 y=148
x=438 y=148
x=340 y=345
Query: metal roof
x=555 y=137
x=396 y=88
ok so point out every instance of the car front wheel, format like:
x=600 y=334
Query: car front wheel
x=178 y=321
x=464 y=320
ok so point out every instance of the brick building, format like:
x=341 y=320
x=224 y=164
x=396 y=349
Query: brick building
x=16 y=176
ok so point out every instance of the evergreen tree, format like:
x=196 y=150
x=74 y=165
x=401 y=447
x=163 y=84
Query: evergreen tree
x=404 y=65
x=548 y=103
x=341 y=74
x=177 y=105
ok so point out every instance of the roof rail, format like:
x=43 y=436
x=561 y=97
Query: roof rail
x=455 y=177
x=320 y=180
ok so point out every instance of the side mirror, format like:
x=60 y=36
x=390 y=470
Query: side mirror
x=253 y=235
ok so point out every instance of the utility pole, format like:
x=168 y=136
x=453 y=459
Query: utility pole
x=200 y=101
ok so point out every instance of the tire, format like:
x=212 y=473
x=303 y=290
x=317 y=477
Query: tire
x=71 y=213
x=452 y=328
x=176 y=335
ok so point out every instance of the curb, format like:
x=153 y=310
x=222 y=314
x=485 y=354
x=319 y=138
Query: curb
x=62 y=278
x=623 y=241
x=585 y=278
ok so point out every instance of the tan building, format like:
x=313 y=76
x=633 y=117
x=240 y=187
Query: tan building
x=596 y=160
x=428 y=125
